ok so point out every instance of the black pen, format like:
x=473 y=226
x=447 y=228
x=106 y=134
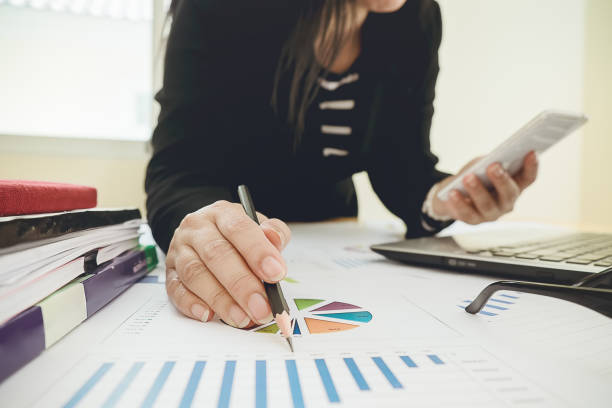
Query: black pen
x=280 y=310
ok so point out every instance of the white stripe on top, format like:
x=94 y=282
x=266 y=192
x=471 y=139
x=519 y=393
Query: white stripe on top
x=332 y=151
x=333 y=85
x=337 y=105
x=336 y=130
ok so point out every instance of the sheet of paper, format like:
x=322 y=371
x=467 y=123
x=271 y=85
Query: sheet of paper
x=370 y=332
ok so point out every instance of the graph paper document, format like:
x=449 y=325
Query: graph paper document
x=368 y=332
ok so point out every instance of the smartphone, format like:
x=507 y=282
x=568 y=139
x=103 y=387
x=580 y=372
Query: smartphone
x=543 y=131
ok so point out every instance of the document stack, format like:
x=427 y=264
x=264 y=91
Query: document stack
x=61 y=260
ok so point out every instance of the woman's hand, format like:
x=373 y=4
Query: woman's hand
x=217 y=259
x=482 y=205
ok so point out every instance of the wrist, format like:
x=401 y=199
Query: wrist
x=432 y=205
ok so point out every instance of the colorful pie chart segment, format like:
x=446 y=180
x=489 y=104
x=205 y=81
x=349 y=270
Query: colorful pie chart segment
x=306 y=303
x=317 y=316
x=316 y=326
x=354 y=316
x=336 y=306
x=273 y=328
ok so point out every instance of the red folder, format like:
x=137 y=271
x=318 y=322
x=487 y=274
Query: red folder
x=19 y=197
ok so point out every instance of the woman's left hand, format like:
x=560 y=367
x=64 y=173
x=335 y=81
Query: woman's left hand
x=482 y=205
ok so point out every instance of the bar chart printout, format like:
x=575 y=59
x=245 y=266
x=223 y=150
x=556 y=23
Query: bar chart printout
x=304 y=381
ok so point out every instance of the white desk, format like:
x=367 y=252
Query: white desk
x=419 y=349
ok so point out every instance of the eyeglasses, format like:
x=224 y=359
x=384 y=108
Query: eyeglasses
x=594 y=292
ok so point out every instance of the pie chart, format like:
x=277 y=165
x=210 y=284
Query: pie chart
x=318 y=316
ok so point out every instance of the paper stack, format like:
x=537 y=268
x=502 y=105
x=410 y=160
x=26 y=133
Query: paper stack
x=56 y=269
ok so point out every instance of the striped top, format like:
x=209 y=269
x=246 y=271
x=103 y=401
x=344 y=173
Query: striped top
x=334 y=124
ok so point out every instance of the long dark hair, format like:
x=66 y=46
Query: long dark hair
x=324 y=21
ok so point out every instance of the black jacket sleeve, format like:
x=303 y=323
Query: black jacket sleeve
x=177 y=182
x=403 y=169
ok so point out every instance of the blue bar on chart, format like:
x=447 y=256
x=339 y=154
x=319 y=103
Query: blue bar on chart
x=435 y=359
x=294 y=384
x=89 y=384
x=192 y=385
x=356 y=373
x=496 y=307
x=408 y=361
x=123 y=385
x=484 y=312
x=328 y=383
x=226 y=385
x=158 y=384
x=261 y=384
x=509 y=296
x=382 y=366
x=505 y=302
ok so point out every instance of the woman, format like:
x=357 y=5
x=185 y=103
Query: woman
x=292 y=100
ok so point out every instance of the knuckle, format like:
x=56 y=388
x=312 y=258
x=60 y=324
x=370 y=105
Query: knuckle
x=487 y=208
x=171 y=285
x=176 y=292
x=191 y=271
x=216 y=299
x=216 y=250
x=179 y=292
x=239 y=284
x=170 y=258
x=175 y=234
x=189 y=221
x=219 y=205
x=236 y=225
x=257 y=250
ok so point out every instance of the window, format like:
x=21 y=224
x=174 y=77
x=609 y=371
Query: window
x=76 y=68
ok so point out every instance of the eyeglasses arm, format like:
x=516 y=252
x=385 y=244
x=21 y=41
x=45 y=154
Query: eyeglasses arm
x=599 y=300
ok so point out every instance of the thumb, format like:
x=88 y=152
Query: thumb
x=277 y=232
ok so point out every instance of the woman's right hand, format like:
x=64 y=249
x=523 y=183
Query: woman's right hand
x=217 y=259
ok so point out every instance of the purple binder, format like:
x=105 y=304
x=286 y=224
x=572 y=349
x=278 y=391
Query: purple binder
x=23 y=337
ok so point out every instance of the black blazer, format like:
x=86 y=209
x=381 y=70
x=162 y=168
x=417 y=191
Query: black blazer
x=217 y=129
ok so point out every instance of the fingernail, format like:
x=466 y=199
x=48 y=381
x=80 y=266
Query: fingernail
x=200 y=312
x=273 y=270
x=259 y=308
x=499 y=171
x=238 y=317
x=280 y=239
x=455 y=195
x=471 y=180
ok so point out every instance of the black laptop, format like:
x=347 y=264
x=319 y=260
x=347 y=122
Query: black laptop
x=538 y=254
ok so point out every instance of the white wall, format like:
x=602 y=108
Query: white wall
x=597 y=149
x=503 y=61
x=85 y=76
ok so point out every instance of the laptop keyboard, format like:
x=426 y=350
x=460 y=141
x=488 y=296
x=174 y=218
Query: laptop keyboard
x=577 y=249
